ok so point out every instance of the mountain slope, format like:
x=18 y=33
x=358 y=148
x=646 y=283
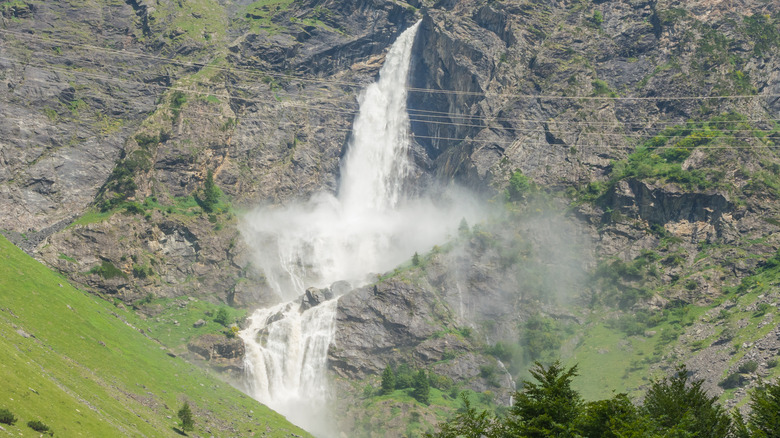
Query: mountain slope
x=79 y=365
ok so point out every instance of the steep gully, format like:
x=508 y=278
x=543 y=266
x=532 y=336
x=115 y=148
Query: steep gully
x=331 y=243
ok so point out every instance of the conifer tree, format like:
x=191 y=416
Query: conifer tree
x=211 y=193
x=764 y=418
x=421 y=388
x=416 y=259
x=463 y=228
x=677 y=404
x=388 y=381
x=548 y=408
x=185 y=415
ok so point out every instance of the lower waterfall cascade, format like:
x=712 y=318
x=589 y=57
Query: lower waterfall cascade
x=333 y=243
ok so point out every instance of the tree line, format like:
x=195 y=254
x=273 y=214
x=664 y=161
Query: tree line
x=673 y=407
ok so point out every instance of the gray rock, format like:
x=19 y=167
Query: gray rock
x=314 y=297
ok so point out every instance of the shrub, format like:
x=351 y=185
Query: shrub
x=748 y=367
x=539 y=335
x=761 y=309
x=733 y=380
x=597 y=18
x=232 y=332
x=146 y=140
x=6 y=417
x=519 y=186
x=107 y=270
x=442 y=383
x=38 y=426
x=178 y=99
x=499 y=351
x=222 y=317
x=772 y=363
x=489 y=373
x=142 y=271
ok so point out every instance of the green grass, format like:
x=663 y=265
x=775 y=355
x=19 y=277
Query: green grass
x=92 y=216
x=260 y=14
x=605 y=360
x=88 y=371
x=186 y=312
x=380 y=410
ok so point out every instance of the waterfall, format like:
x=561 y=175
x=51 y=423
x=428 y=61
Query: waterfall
x=327 y=239
x=328 y=244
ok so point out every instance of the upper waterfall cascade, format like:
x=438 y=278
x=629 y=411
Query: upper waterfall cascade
x=370 y=227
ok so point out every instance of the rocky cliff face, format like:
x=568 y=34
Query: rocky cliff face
x=172 y=92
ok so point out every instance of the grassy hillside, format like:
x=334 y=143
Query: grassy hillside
x=80 y=366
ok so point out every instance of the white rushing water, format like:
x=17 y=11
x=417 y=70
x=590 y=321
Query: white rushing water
x=368 y=228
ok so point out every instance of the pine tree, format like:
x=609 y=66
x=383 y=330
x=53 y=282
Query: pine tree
x=388 y=381
x=185 y=415
x=463 y=228
x=675 y=403
x=469 y=422
x=764 y=418
x=421 y=388
x=548 y=408
x=416 y=259
x=211 y=193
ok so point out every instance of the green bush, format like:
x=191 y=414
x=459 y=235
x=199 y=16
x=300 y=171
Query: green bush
x=601 y=88
x=598 y=17
x=489 y=373
x=628 y=324
x=761 y=309
x=539 y=335
x=38 y=426
x=107 y=270
x=748 y=367
x=6 y=417
x=145 y=140
x=403 y=377
x=733 y=380
x=178 y=99
x=442 y=383
x=519 y=187
x=771 y=363
x=499 y=351
x=223 y=317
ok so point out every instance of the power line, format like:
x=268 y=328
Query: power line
x=508 y=142
x=411 y=89
x=537 y=130
x=413 y=112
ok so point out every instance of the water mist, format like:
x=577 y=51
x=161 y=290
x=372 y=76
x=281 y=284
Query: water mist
x=370 y=227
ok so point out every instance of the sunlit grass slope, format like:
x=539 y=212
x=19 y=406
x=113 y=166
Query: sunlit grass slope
x=77 y=363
